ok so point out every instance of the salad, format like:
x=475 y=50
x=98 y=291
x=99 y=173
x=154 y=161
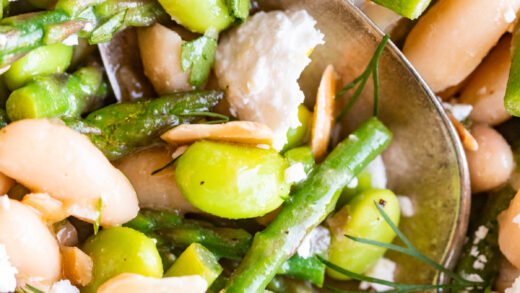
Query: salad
x=221 y=179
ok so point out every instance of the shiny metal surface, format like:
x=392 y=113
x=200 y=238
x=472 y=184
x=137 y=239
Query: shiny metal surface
x=425 y=160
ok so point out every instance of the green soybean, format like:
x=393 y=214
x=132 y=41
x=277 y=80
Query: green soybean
x=196 y=260
x=299 y=135
x=301 y=155
x=43 y=60
x=360 y=218
x=199 y=15
x=121 y=250
x=232 y=181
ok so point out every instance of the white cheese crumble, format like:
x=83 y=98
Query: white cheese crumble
x=316 y=242
x=71 y=40
x=480 y=263
x=515 y=288
x=295 y=173
x=384 y=269
x=5 y=204
x=7 y=272
x=406 y=205
x=64 y=286
x=377 y=171
x=516 y=220
x=459 y=111
x=259 y=64
x=510 y=15
x=480 y=234
x=472 y=277
x=353 y=183
x=474 y=251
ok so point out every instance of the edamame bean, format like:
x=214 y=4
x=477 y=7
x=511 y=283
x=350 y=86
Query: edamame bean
x=121 y=250
x=301 y=155
x=232 y=181
x=199 y=15
x=43 y=60
x=299 y=135
x=361 y=218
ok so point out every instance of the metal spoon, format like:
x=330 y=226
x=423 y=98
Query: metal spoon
x=425 y=162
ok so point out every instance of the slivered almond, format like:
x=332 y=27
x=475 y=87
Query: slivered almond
x=468 y=141
x=77 y=265
x=323 y=114
x=49 y=208
x=235 y=131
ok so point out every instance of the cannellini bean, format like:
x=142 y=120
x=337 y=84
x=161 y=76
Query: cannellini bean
x=48 y=157
x=453 y=37
x=133 y=283
x=509 y=231
x=159 y=191
x=30 y=245
x=492 y=163
x=5 y=184
x=487 y=86
x=160 y=49
x=507 y=274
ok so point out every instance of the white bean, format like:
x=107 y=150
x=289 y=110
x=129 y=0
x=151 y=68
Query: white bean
x=509 y=231
x=159 y=191
x=453 y=37
x=133 y=283
x=46 y=156
x=486 y=87
x=31 y=247
x=492 y=163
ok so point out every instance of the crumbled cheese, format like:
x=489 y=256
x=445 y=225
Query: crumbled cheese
x=316 y=242
x=262 y=146
x=480 y=263
x=474 y=251
x=384 y=269
x=7 y=272
x=459 y=111
x=516 y=220
x=64 y=286
x=295 y=173
x=260 y=68
x=377 y=171
x=71 y=40
x=515 y=288
x=472 y=277
x=406 y=205
x=510 y=15
x=480 y=234
x=4 y=202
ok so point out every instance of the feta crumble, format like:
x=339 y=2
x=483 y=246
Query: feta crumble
x=480 y=234
x=515 y=288
x=377 y=171
x=5 y=204
x=472 y=277
x=295 y=173
x=316 y=242
x=259 y=68
x=516 y=220
x=459 y=111
x=7 y=272
x=64 y=286
x=384 y=269
x=71 y=40
x=510 y=15
x=406 y=205
x=353 y=183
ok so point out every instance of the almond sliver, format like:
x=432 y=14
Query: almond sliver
x=323 y=114
x=235 y=131
x=468 y=141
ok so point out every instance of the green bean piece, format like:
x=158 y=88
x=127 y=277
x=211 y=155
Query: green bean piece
x=307 y=207
x=512 y=96
x=3 y=118
x=239 y=9
x=196 y=260
x=121 y=250
x=361 y=218
x=308 y=269
x=63 y=95
x=106 y=31
x=43 y=60
x=232 y=181
x=301 y=134
x=74 y=7
x=120 y=129
x=199 y=15
x=480 y=254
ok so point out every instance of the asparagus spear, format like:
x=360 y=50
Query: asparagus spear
x=58 y=95
x=120 y=129
x=307 y=207
x=93 y=19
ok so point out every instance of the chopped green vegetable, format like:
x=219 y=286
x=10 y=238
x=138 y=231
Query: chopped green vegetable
x=98 y=220
x=411 y=9
x=301 y=134
x=239 y=8
x=196 y=260
x=199 y=56
x=512 y=96
x=106 y=31
x=309 y=269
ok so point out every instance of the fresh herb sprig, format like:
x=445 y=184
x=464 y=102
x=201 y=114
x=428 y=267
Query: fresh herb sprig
x=458 y=282
x=168 y=165
x=28 y=289
x=199 y=56
x=220 y=117
x=97 y=223
x=360 y=81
